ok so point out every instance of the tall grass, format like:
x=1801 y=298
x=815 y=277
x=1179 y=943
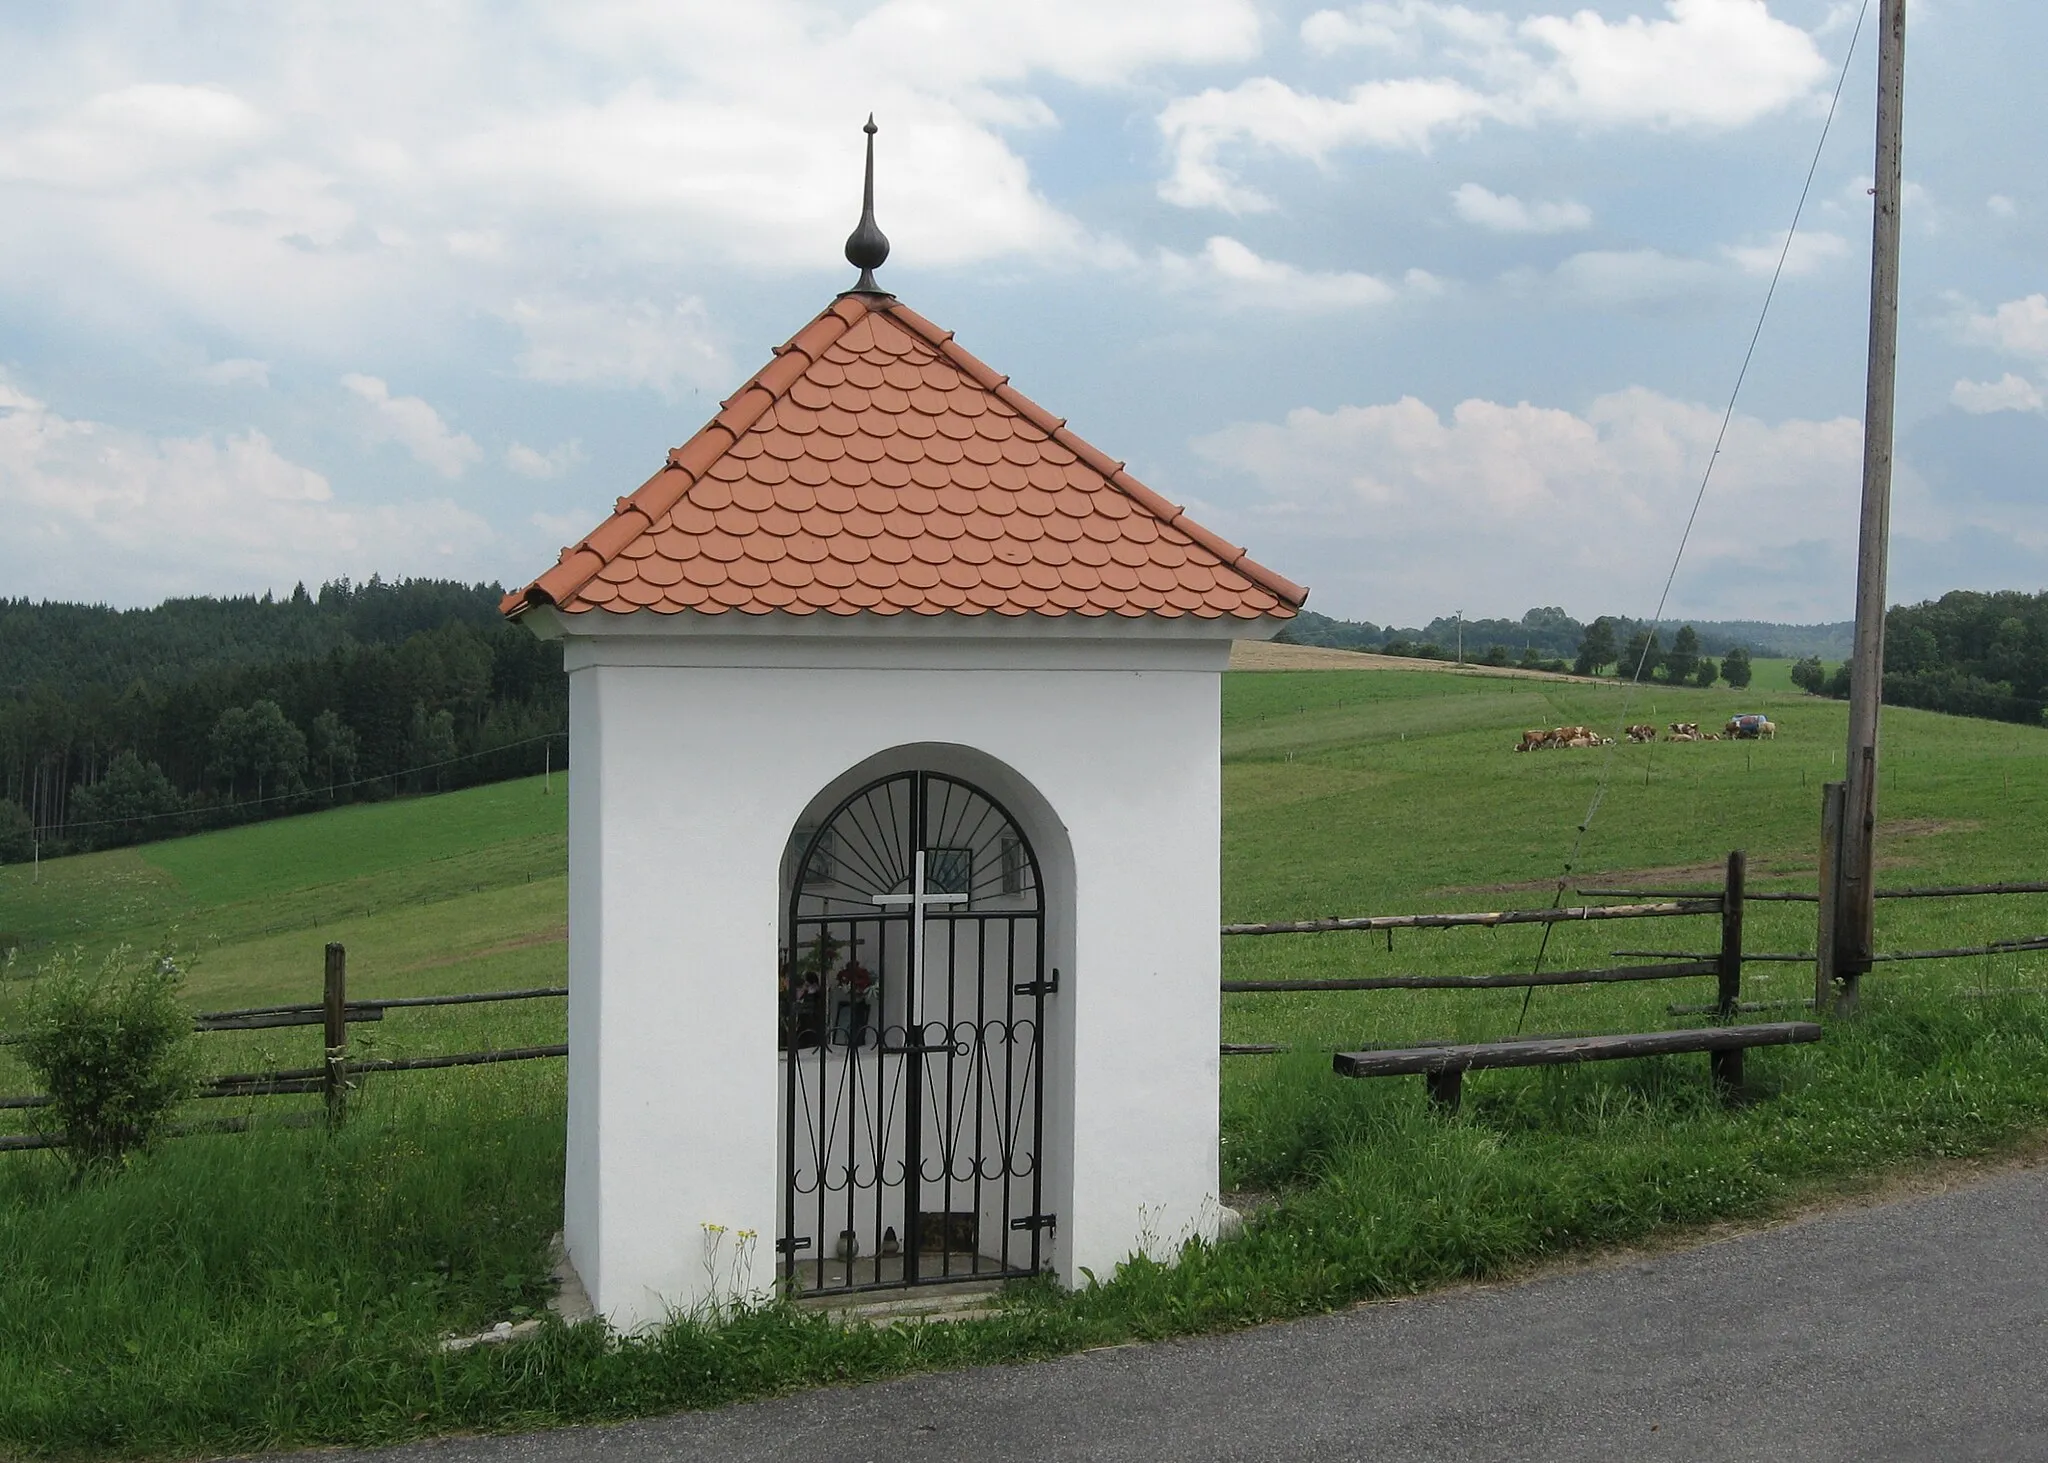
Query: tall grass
x=223 y=1287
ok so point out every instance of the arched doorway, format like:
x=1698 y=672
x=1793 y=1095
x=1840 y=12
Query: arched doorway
x=914 y=982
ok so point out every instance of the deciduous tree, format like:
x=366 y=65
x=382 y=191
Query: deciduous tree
x=1597 y=649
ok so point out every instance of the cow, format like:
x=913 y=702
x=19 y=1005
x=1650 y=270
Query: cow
x=1683 y=731
x=1536 y=739
x=1751 y=728
x=1642 y=732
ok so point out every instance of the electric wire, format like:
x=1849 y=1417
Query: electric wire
x=1691 y=518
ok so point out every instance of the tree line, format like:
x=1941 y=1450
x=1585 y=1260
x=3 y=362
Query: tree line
x=1643 y=657
x=119 y=726
x=1968 y=654
x=1548 y=638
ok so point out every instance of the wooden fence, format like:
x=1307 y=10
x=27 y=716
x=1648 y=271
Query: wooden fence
x=334 y=1013
x=1727 y=903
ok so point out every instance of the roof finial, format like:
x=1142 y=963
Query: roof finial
x=867 y=246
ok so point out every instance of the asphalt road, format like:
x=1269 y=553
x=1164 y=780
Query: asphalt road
x=1913 y=1330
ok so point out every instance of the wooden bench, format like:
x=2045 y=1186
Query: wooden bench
x=1443 y=1068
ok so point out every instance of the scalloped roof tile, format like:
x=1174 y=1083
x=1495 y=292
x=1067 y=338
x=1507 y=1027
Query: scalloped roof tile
x=876 y=466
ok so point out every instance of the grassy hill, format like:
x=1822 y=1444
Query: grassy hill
x=1345 y=792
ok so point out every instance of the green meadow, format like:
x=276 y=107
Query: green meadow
x=287 y=1285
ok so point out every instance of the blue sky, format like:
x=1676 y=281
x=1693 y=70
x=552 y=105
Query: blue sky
x=1434 y=306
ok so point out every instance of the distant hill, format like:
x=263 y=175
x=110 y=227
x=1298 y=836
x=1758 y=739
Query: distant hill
x=69 y=647
x=118 y=726
x=1551 y=633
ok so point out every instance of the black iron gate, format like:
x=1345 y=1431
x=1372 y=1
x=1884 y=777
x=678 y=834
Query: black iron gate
x=913 y=1002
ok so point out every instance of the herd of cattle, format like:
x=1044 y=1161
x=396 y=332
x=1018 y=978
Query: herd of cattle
x=1739 y=729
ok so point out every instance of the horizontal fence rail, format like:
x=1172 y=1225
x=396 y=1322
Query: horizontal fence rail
x=1689 y=905
x=1957 y=952
x=1481 y=982
x=1727 y=902
x=1795 y=896
x=314 y=1013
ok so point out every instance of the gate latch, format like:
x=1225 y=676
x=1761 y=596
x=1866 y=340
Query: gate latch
x=787 y=1246
x=1047 y=987
x=1036 y=1221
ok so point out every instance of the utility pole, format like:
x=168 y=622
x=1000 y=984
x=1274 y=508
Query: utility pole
x=1851 y=900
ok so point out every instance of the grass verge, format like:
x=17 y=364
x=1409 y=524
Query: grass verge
x=287 y=1287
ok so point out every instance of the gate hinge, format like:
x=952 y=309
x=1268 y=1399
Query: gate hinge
x=787 y=1246
x=1036 y=1221
x=1047 y=987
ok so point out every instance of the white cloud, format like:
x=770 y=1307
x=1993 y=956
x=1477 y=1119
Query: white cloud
x=2008 y=393
x=2000 y=206
x=1713 y=65
x=97 y=511
x=1811 y=252
x=415 y=426
x=1272 y=115
x=352 y=182
x=601 y=343
x=1399 y=509
x=118 y=137
x=1238 y=276
x=531 y=462
x=2017 y=327
x=1506 y=214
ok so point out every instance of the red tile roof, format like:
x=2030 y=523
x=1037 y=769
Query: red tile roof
x=875 y=466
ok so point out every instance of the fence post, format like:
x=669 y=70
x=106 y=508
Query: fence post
x=335 y=1009
x=1832 y=795
x=1731 y=933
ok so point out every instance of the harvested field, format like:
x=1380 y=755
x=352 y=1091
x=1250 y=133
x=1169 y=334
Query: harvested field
x=1265 y=655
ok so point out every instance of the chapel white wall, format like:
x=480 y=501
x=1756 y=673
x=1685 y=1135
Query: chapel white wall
x=674 y=1074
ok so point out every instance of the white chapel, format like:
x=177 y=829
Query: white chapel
x=894 y=838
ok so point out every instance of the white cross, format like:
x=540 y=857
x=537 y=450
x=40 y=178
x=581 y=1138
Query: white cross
x=919 y=899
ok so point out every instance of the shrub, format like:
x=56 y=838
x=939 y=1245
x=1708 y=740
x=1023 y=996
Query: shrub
x=123 y=804
x=114 y=1050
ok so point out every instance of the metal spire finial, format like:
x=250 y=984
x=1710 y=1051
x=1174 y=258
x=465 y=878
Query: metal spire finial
x=867 y=246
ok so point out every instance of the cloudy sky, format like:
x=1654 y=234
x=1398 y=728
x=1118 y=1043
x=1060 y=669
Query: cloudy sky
x=1435 y=306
